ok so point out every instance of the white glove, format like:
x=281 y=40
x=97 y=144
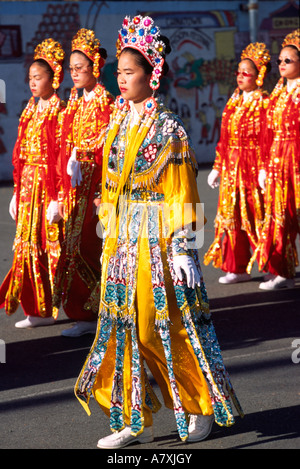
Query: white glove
x=186 y=264
x=212 y=179
x=262 y=176
x=73 y=169
x=13 y=207
x=53 y=215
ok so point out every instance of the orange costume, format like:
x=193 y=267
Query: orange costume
x=277 y=246
x=240 y=208
x=85 y=121
x=37 y=241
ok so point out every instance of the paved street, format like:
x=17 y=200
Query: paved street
x=257 y=331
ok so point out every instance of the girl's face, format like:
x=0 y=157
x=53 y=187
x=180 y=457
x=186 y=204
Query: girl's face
x=82 y=72
x=132 y=80
x=40 y=82
x=289 y=66
x=246 y=76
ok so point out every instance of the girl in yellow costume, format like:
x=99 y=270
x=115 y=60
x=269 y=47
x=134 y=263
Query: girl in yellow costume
x=34 y=204
x=153 y=305
x=77 y=281
x=238 y=160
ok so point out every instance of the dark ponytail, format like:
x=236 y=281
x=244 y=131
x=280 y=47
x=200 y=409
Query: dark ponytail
x=168 y=49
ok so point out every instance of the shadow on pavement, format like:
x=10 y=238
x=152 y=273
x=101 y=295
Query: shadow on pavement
x=43 y=360
x=241 y=321
x=267 y=426
x=244 y=320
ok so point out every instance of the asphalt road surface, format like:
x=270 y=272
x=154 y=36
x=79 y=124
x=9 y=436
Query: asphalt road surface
x=259 y=334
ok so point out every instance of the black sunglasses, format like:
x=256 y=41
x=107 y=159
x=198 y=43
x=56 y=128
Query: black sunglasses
x=287 y=61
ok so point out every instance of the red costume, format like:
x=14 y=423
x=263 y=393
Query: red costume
x=277 y=247
x=240 y=208
x=281 y=154
x=78 y=272
x=37 y=241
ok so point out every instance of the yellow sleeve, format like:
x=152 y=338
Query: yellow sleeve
x=182 y=207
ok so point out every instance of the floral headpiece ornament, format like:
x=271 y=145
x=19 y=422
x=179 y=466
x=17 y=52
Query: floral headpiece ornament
x=52 y=52
x=140 y=33
x=292 y=39
x=86 y=42
x=260 y=56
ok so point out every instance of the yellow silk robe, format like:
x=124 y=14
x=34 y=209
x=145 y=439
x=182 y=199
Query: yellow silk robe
x=146 y=313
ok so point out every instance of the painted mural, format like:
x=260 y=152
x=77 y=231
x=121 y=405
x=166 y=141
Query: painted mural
x=206 y=45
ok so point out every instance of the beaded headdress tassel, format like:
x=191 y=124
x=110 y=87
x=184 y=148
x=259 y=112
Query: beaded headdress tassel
x=292 y=39
x=260 y=56
x=86 y=42
x=52 y=52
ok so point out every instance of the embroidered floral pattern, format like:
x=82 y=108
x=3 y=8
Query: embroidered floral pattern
x=150 y=152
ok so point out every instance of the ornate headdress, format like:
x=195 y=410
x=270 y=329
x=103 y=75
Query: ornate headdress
x=86 y=42
x=141 y=34
x=52 y=52
x=260 y=56
x=292 y=39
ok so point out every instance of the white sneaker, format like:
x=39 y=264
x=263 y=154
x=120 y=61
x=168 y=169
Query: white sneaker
x=124 y=438
x=34 y=321
x=277 y=282
x=80 y=328
x=234 y=278
x=200 y=427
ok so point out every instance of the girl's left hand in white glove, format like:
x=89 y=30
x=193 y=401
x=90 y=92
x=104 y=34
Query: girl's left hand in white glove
x=73 y=169
x=185 y=264
x=13 y=207
x=213 y=178
x=262 y=177
x=53 y=215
